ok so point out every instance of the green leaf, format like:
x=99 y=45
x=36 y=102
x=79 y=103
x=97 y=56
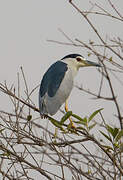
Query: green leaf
x=110 y=129
x=81 y=120
x=94 y=114
x=56 y=123
x=119 y=135
x=5 y=154
x=29 y=117
x=81 y=128
x=106 y=136
x=65 y=117
x=116 y=130
x=110 y=59
x=77 y=117
x=116 y=145
x=89 y=54
x=93 y=125
x=84 y=121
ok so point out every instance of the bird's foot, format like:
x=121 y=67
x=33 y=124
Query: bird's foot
x=72 y=128
x=72 y=124
x=44 y=116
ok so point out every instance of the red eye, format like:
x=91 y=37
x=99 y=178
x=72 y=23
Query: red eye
x=78 y=59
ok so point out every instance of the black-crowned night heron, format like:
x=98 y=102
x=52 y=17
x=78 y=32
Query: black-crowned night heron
x=57 y=83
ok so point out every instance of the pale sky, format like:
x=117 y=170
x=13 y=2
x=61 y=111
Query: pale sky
x=25 y=27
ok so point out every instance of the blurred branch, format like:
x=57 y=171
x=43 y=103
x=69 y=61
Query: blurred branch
x=95 y=95
x=95 y=30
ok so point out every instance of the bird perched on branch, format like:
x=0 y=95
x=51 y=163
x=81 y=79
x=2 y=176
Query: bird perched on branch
x=57 y=83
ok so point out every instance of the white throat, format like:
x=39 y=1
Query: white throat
x=72 y=65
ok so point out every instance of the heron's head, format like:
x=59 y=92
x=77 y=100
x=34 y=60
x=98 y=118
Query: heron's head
x=77 y=61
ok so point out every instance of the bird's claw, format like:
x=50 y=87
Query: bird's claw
x=44 y=116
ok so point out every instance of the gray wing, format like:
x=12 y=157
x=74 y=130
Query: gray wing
x=54 y=103
x=55 y=88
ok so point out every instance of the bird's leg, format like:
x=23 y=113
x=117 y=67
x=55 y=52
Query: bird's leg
x=66 y=109
x=66 y=106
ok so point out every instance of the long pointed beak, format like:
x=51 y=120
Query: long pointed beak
x=89 y=63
